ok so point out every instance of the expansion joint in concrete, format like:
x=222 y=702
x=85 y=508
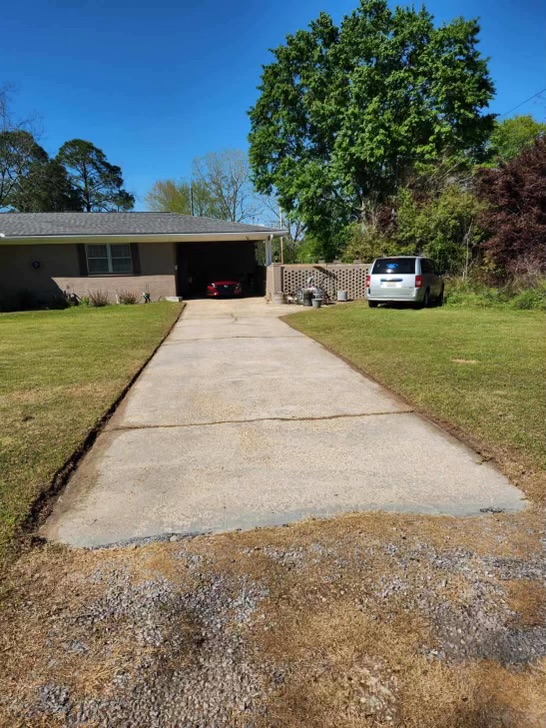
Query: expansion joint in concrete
x=227 y=338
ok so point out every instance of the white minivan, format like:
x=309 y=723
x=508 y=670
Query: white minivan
x=404 y=279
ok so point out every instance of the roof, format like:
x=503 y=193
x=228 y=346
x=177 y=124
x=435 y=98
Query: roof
x=38 y=224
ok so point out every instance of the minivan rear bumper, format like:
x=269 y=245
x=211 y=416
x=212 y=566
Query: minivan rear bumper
x=413 y=296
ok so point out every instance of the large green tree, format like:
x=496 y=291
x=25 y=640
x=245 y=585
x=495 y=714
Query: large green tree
x=99 y=183
x=511 y=136
x=346 y=113
x=45 y=188
x=19 y=152
x=18 y=147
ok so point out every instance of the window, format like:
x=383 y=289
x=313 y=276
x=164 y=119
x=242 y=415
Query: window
x=394 y=265
x=427 y=266
x=108 y=259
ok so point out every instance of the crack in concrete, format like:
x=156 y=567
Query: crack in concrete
x=226 y=338
x=357 y=415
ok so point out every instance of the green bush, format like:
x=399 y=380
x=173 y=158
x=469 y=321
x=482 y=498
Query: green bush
x=524 y=294
x=475 y=299
x=532 y=298
x=443 y=228
x=367 y=244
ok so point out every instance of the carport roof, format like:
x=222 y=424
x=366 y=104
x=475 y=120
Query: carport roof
x=56 y=225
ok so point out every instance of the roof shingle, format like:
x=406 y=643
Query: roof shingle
x=38 y=224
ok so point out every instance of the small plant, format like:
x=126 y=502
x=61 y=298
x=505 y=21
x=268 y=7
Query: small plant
x=127 y=297
x=98 y=298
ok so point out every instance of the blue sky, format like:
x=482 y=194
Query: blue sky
x=156 y=84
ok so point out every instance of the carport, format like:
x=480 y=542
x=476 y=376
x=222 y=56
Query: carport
x=200 y=263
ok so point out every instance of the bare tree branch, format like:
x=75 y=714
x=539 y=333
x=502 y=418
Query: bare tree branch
x=227 y=176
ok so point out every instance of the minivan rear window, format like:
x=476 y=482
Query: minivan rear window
x=394 y=265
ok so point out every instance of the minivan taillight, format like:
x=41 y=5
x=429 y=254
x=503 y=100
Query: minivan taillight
x=418 y=281
x=368 y=279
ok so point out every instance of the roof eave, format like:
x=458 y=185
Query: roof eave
x=250 y=236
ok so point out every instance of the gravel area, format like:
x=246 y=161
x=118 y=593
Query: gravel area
x=214 y=631
x=190 y=666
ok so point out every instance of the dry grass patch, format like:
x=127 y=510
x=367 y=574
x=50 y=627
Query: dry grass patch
x=76 y=627
x=527 y=599
x=364 y=620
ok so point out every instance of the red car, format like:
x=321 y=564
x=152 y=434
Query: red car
x=227 y=289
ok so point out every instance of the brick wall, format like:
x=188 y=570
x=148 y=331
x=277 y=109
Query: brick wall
x=45 y=271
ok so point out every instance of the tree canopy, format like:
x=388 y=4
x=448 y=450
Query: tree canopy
x=99 y=183
x=511 y=136
x=80 y=177
x=226 y=176
x=19 y=153
x=18 y=148
x=346 y=113
x=45 y=188
x=220 y=187
x=183 y=197
x=515 y=216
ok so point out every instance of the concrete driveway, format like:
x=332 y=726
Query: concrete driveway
x=239 y=421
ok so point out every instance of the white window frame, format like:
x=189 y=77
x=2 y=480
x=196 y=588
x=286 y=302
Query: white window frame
x=111 y=271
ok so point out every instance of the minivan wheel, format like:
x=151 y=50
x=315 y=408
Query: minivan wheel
x=373 y=304
x=440 y=301
x=426 y=300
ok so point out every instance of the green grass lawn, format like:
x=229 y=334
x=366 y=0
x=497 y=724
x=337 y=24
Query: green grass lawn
x=59 y=373
x=481 y=370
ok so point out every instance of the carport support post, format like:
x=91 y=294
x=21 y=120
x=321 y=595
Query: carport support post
x=273 y=280
x=269 y=250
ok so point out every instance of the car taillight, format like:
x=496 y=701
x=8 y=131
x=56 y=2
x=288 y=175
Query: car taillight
x=368 y=279
x=418 y=281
